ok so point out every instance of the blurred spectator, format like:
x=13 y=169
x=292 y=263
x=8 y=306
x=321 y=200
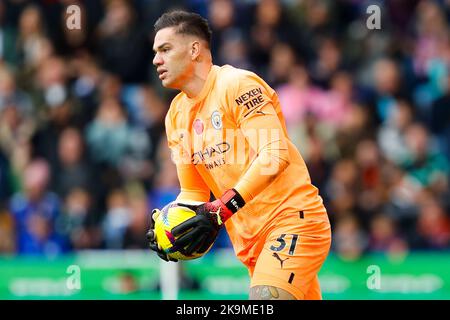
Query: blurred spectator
x=425 y=166
x=108 y=135
x=234 y=50
x=391 y=133
x=32 y=43
x=221 y=15
x=384 y=236
x=440 y=120
x=299 y=98
x=8 y=34
x=355 y=126
x=282 y=59
x=314 y=20
x=72 y=170
x=135 y=234
x=328 y=62
x=145 y=108
x=388 y=88
x=342 y=188
x=349 y=241
x=14 y=128
x=20 y=157
x=433 y=225
x=89 y=80
x=152 y=110
x=339 y=99
x=56 y=108
x=110 y=87
x=76 y=221
x=270 y=26
x=370 y=188
x=135 y=164
x=52 y=92
x=316 y=140
x=35 y=212
x=294 y=95
x=400 y=197
x=11 y=95
x=16 y=121
x=145 y=111
x=431 y=55
x=123 y=47
x=117 y=219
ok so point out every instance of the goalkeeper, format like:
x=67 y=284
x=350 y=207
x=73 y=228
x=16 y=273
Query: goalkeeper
x=228 y=136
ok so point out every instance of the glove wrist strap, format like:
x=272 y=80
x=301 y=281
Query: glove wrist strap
x=233 y=201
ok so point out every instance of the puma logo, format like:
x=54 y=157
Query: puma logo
x=276 y=256
x=257 y=111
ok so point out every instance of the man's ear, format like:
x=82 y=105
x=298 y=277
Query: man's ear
x=195 y=50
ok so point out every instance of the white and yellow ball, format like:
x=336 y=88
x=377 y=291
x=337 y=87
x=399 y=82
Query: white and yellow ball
x=165 y=220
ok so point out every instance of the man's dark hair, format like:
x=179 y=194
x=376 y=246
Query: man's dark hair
x=185 y=23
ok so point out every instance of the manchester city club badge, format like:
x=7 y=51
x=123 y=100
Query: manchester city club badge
x=216 y=120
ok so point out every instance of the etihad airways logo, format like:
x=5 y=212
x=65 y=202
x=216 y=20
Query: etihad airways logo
x=210 y=152
x=216 y=148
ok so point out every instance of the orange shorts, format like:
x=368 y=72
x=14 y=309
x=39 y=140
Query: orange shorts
x=292 y=254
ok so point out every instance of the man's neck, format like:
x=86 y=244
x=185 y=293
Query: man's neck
x=195 y=85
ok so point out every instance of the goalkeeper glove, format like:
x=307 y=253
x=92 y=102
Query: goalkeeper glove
x=153 y=244
x=198 y=233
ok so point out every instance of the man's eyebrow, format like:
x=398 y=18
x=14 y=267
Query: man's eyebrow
x=160 y=46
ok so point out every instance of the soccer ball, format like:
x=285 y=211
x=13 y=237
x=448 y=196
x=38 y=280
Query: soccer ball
x=169 y=217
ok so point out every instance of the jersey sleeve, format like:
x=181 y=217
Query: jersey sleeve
x=192 y=186
x=252 y=107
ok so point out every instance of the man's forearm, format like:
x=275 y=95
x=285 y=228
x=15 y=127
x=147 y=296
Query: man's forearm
x=270 y=162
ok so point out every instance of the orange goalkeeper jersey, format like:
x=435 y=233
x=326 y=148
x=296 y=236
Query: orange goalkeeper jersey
x=233 y=135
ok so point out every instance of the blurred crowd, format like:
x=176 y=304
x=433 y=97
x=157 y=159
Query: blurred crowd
x=83 y=155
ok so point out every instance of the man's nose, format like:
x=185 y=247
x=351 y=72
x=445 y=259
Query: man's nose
x=157 y=60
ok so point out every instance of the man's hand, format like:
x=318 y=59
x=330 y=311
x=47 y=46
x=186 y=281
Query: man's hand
x=198 y=233
x=153 y=244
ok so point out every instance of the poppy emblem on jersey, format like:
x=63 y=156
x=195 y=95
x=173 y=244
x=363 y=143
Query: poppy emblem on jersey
x=216 y=120
x=198 y=126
